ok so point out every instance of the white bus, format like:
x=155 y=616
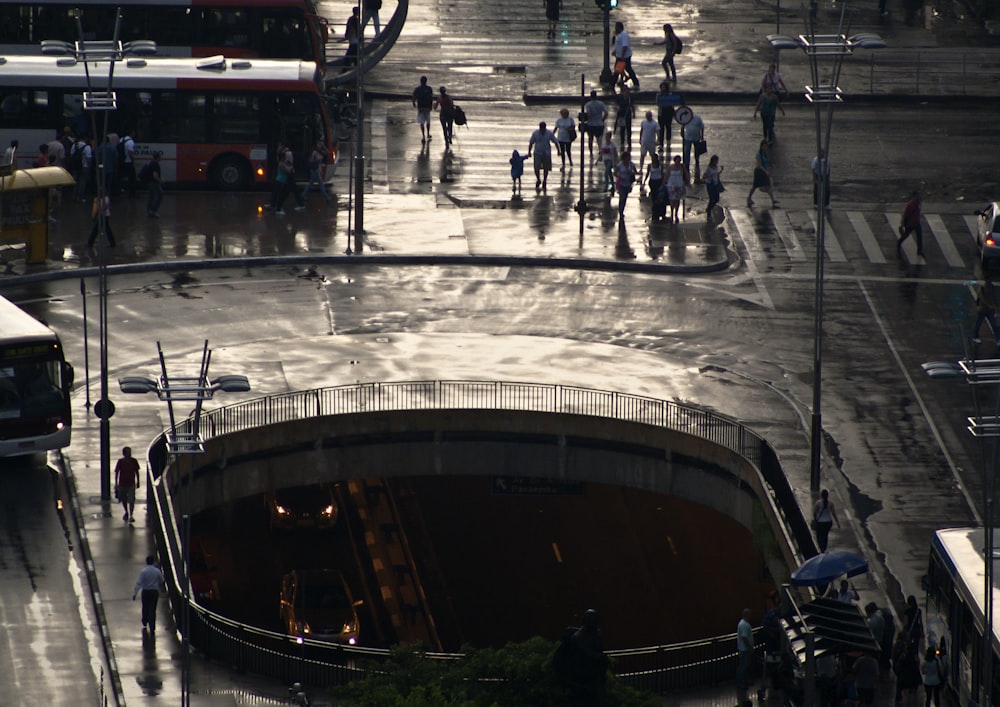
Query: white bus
x=35 y=383
x=249 y=29
x=215 y=120
x=956 y=608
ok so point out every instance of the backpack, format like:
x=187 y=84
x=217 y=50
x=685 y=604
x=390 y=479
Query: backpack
x=678 y=45
x=459 y=116
x=74 y=164
x=121 y=151
x=146 y=173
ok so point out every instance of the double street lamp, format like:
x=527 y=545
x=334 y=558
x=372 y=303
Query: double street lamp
x=826 y=53
x=100 y=98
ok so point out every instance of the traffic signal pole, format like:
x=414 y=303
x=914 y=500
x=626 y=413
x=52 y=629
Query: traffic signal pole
x=607 y=77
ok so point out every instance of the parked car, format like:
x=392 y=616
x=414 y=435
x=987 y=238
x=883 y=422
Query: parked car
x=319 y=604
x=312 y=506
x=988 y=238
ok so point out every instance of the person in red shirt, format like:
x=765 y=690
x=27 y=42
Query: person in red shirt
x=910 y=223
x=126 y=482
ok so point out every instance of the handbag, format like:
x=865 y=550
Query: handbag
x=722 y=187
x=700 y=147
x=572 y=133
x=620 y=67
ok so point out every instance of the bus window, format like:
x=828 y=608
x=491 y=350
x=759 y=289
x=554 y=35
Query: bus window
x=181 y=117
x=236 y=118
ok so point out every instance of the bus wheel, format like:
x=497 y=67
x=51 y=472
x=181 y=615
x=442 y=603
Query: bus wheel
x=231 y=173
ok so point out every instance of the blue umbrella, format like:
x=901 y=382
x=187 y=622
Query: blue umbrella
x=825 y=567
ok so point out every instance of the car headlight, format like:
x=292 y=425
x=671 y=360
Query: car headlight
x=281 y=510
x=328 y=511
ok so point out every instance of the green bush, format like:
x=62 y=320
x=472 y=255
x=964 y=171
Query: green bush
x=517 y=674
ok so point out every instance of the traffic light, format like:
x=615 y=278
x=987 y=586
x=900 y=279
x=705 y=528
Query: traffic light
x=606 y=4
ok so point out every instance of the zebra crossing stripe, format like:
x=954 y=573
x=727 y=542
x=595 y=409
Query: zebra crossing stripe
x=909 y=245
x=748 y=234
x=868 y=241
x=941 y=235
x=972 y=222
x=784 y=228
x=830 y=243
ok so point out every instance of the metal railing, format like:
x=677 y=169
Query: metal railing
x=660 y=668
x=934 y=72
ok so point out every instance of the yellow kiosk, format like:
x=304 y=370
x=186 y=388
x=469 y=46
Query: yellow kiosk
x=24 y=206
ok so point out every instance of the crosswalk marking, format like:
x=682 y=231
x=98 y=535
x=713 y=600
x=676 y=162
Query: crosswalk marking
x=868 y=242
x=748 y=234
x=787 y=235
x=973 y=224
x=830 y=243
x=937 y=227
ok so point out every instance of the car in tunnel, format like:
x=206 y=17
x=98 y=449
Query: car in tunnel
x=319 y=604
x=314 y=506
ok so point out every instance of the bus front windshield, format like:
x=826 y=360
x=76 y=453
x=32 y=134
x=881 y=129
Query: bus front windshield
x=31 y=389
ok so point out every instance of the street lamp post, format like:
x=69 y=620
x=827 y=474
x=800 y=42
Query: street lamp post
x=826 y=53
x=607 y=77
x=195 y=389
x=101 y=98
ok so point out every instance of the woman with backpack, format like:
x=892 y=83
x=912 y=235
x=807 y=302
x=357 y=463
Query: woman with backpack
x=447 y=108
x=673 y=46
x=932 y=674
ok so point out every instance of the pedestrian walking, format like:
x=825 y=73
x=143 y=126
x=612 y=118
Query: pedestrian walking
x=371 y=15
x=672 y=47
x=744 y=648
x=581 y=664
x=317 y=167
x=909 y=223
x=516 y=170
x=565 y=135
x=42 y=158
x=57 y=151
x=986 y=311
x=423 y=101
x=713 y=184
x=666 y=103
x=95 y=212
x=352 y=33
x=821 y=172
x=906 y=666
x=847 y=594
x=623 y=53
x=127 y=153
x=772 y=79
x=648 y=130
x=552 y=8
x=624 y=179
x=694 y=135
x=154 y=183
x=623 y=117
x=768 y=106
x=10 y=154
x=931 y=672
x=126 y=483
x=285 y=177
x=446 y=113
x=762 y=175
x=824 y=516
x=540 y=145
x=653 y=175
x=609 y=156
x=678 y=178
x=81 y=164
x=596 y=113
x=149 y=582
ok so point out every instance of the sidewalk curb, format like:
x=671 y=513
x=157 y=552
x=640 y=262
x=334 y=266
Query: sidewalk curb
x=63 y=466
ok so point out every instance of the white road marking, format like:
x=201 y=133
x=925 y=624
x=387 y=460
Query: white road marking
x=868 y=241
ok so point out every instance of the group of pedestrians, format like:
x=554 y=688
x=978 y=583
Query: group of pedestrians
x=285 y=181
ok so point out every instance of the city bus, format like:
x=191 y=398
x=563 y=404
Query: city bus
x=956 y=609
x=249 y=29
x=215 y=121
x=35 y=383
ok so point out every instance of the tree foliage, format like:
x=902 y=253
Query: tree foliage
x=517 y=674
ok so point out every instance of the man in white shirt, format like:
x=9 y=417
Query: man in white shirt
x=541 y=146
x=149 y=583
x=744 y=647
x=694 y=132
x=648 y=131
x=623 y=52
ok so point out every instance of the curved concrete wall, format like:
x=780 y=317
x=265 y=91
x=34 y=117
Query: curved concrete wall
x=484 y=442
